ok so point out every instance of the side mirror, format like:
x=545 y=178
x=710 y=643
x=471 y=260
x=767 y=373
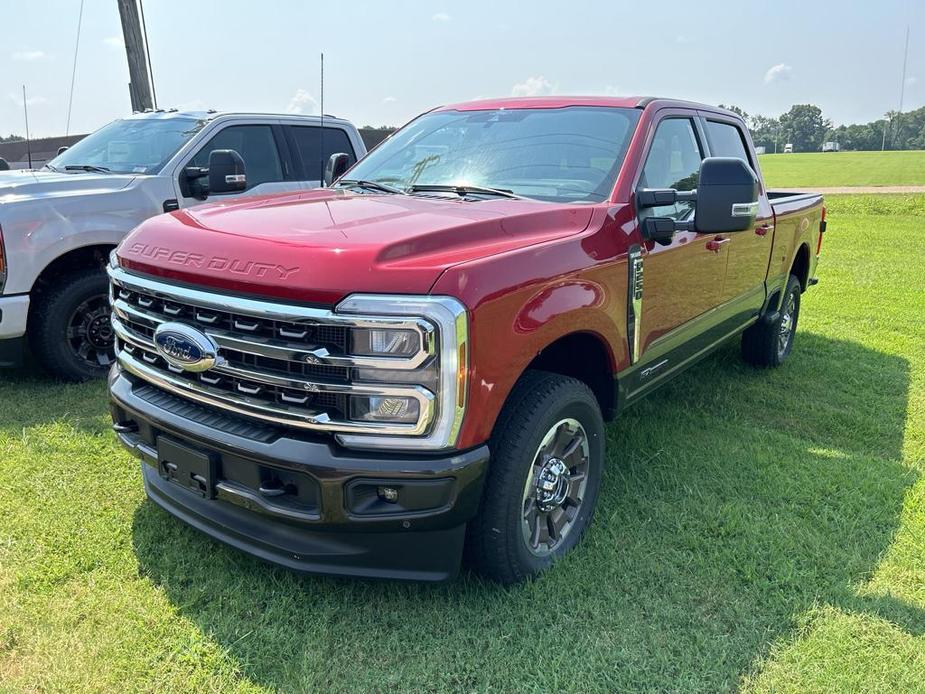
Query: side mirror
x=335 y=168
x=727 y=196
x=62 y=150
x=226 y=172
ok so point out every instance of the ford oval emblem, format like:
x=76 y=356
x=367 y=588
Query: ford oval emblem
x=185 y=347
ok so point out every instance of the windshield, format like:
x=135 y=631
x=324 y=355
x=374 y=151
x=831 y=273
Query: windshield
x=570 y=154
x=136 y=145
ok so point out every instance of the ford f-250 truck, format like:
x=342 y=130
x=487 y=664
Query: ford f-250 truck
x=58 y=224
x=367 y=379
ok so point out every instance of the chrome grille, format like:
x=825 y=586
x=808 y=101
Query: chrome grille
x=286 y=364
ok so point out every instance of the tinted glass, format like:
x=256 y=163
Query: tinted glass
x=726 y=141
x=133 y=145
x=673 y=162
x=256 y=146
x=314 y=157
x=568 y=154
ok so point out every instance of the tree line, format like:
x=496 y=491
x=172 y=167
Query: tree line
x=804 y=127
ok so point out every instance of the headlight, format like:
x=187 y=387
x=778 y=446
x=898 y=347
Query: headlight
x=385 y=342
x=395 y=410
x=442 y=342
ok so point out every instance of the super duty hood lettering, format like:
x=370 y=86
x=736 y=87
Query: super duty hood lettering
x=215 y=262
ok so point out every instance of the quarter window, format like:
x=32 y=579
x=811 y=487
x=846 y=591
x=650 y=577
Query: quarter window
x=673 y=162
x=255 y=144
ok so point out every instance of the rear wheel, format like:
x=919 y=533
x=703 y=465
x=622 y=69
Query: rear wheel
x=543 y=480
x=70 y=329
x=768 y=343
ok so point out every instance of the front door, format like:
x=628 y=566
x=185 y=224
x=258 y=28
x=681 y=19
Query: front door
x=263 y=164
x=682 y=281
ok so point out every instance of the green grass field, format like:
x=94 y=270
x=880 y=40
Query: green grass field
x=757 y=530
x=831 y=169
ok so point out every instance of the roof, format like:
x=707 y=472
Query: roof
x=563 y=101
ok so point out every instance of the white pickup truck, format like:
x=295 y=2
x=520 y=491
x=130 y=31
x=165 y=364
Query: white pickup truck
x=58 y=224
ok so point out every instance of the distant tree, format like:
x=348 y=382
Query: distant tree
x=11 y=138
x=764 y=131
x=736 y=110
x=804 y=127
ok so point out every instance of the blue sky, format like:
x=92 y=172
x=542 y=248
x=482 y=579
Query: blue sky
x=387 y=61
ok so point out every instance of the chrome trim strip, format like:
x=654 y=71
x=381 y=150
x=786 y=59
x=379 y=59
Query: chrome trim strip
x=274 y=311
x=247 y=407
x=286 y=351
x=423 y=396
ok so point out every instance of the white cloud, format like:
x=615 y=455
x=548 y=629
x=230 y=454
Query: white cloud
x=389 y=100
x=533 y=86
x=301 y=101
x=27 y=56
x=114 y=41
x=781 y=71
x=441 y=17
x=16 y=98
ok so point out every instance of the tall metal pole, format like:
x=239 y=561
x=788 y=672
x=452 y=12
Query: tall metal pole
x=25 y=109
x=140 y=84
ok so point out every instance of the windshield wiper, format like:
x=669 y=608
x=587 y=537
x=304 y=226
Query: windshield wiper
x=462 y=190
x=50 y=168
x=86 y=167
x=371 y=185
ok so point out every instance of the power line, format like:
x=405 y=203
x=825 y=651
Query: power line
x=70 y=99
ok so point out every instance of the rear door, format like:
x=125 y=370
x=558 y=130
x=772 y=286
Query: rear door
x=312 y=146
x=750 y=250
x=682 y=281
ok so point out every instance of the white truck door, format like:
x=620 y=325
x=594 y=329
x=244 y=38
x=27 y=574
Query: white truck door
x=259 y=145
x=313 y=146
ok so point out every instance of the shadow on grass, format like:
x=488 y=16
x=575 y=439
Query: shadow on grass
x=734 y=501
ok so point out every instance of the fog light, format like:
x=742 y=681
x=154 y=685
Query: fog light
x=387 y=342
x=384 y=409
x=389 y=494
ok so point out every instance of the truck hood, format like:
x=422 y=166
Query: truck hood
x=21 y=185
x=319 y=246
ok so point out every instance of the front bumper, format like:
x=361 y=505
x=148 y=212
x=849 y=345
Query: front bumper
x=14 y=314
x=329 y=519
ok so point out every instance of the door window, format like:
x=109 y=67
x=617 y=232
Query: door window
x=726 y=141
x=255 y=144
x=673 y=162
x=314 y=153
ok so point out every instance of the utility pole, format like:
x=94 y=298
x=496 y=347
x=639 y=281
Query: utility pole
x=139 y=87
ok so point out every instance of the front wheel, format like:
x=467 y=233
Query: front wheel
x=543 y=479
x=70 y=329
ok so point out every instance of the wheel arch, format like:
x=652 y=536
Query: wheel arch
x=800 y=266
x=585 y=356
x=74 y=259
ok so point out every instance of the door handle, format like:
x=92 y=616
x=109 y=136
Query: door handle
x=763 y=229
x=715 y=244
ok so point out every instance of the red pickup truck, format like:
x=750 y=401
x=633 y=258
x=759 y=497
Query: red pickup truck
x=370 y=378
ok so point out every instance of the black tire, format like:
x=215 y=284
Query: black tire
x=497 y=542
x=764 y=343
x=69 y=329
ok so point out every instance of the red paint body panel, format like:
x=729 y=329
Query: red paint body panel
x=320 y=246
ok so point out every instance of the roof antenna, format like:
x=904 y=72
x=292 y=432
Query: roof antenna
x=25 y=108
x=322 y=121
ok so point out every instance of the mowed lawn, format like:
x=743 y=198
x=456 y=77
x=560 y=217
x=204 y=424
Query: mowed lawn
x=757 y=530
x=832 y=169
